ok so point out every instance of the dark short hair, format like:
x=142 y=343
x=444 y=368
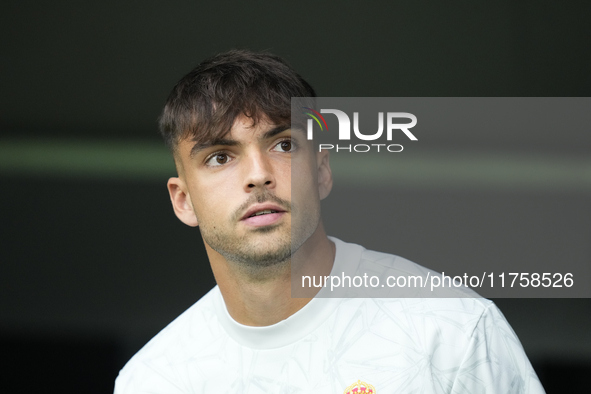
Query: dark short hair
x=205 y=103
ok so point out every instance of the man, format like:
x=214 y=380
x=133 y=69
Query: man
x=228 y=124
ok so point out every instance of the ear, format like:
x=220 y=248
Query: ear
x=181 y=202
x=324 y=174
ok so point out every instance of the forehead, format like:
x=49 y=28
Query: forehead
x=244 y=126
x=243 y=131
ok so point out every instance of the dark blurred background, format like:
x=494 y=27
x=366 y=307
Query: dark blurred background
x=93 y=262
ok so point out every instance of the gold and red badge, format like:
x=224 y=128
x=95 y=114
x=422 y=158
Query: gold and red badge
x=360 y=387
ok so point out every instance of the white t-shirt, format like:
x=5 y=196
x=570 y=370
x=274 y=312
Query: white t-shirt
x=356 y=345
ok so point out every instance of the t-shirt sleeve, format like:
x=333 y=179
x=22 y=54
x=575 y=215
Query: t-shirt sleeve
x=495 y=361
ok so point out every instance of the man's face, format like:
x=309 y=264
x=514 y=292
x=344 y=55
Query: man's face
x=243 y=196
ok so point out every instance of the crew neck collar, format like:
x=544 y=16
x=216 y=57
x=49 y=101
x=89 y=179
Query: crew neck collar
x=298 y=325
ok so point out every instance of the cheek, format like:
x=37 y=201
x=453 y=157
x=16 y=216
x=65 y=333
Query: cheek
x=304 y=167
x=204 y=201
x=303 y=170
x=304 y=187
x=212 y=196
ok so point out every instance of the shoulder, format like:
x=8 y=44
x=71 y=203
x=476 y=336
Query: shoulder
x=401 y=294
x=192 y=332
x=455 y=328
x=431 y=323
x=389 y=276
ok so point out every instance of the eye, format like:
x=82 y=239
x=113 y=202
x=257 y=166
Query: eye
x=285 y=146
x=218 y=159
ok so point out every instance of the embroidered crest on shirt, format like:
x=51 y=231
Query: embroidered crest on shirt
x=360 y=387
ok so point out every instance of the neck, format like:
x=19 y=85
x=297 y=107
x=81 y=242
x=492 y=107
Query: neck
x=266 y=298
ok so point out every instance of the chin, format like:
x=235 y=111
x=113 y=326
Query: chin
x=261 y=248
x=267 y=249
x=257 y=258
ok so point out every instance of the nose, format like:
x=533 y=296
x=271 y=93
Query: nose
x=259 y=172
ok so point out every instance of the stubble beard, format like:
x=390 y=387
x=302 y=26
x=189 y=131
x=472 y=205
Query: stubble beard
x=266 y=250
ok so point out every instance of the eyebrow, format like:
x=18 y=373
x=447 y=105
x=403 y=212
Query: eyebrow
x=198 y=147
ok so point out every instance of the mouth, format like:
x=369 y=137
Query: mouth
x=265 y=212
x=260 y=215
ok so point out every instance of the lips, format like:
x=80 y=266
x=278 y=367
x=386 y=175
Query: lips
x=262 y=209
x=265 y=214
